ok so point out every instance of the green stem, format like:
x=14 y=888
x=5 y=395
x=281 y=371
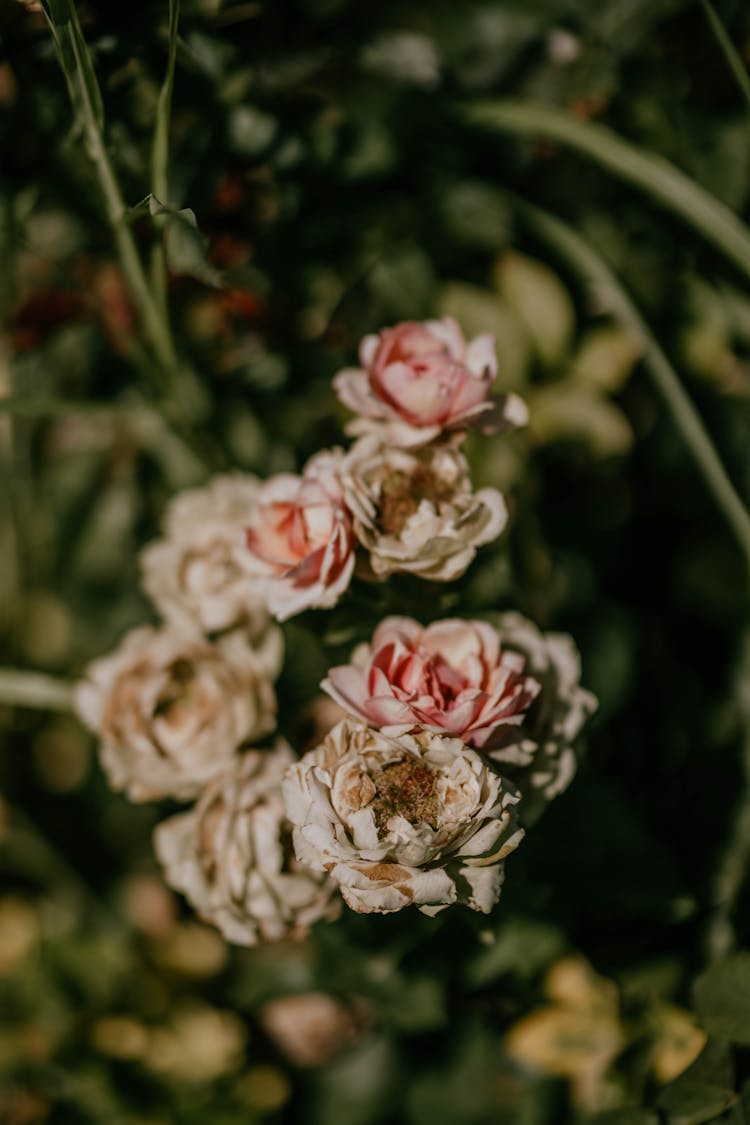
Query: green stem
x=730 y=51
x=150 y=425
x=665 y=183
x=32 y=689
x=81 y=79
x=733 y=866
x=160 y=161
x=592 y=268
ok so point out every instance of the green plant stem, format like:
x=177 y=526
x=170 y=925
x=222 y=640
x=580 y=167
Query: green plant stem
x=32 y=689
x=734 y=864
x=160 y=161
x=149 y=424
x=10 y=568
x=651 y=173
x=155 y=326
x=734 y=61
x=592 y=268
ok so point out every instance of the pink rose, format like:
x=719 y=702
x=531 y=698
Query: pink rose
x=418 y=380
x=299 y=537
x=452 y=677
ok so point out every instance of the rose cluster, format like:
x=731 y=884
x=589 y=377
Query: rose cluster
x=400 y=499
x=456 y=733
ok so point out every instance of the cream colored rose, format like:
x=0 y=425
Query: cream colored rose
x=172 y=709
x=194 y=575
x=230 y=856
x=414 y=510
x=540 y=753
x=398 y=821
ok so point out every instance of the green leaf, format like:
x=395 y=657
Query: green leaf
x=416 y=1004
x=521 y=946
x=185 y=245
x=160 y=150
x=540 y=300
x=480 y=310
x=626 y=1116
x=606 y=358
x=740 y=1114
x=75 y=61
x=358 y=1088
x=722 y=998
x=567 y=412
x=688 y=1104
x=591 y=267
x=704 y=1091
x=652 y=173
x=250 y=130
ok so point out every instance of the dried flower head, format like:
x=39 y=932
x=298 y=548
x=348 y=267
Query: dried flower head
x=414 y=510
x=171 y=709
x=415 y=820
x=194 y=574
x=231 y=856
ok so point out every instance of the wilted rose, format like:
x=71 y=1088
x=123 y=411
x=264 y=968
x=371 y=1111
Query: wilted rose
x=540 y=753
x=452 y=678
x=414 y=510
x=299 y=537
x=415 y=820
x=194 y=574
x=419 y=380
x=172 y=709
x=231 y=856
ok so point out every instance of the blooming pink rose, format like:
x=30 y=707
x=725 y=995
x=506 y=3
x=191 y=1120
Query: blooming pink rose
x=300 y=542
x=418 y=380
x=452 y=677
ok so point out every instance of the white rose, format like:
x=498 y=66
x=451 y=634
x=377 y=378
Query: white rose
x=540 y=753
x=397 y=821
x=171 y=709
x=230 y=856
x=194 y=574
x=414 y=510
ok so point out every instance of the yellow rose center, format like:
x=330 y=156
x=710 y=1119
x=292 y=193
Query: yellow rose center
x=408 y=789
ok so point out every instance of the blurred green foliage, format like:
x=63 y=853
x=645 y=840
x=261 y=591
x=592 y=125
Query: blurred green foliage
x=323 y=183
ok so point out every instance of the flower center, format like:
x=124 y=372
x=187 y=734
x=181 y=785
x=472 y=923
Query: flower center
x=408 y=789
x=401 y=494
x=180 y=675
